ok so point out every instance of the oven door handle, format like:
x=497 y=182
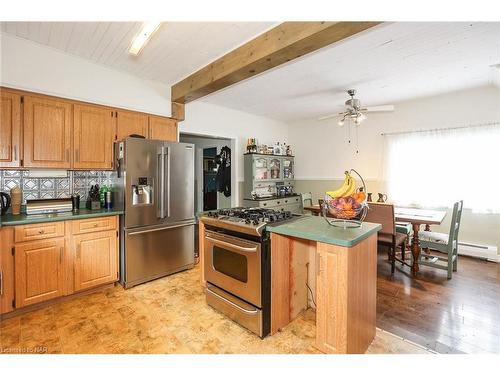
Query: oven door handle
x=249 y=312
x=245 y=249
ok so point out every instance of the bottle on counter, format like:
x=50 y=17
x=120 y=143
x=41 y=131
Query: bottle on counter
x=102 y=195
x=15 y=200
x=277 y=149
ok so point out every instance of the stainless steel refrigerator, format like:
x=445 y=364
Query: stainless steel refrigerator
x=154 y=185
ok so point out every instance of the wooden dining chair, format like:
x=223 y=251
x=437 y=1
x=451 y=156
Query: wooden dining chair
x=444 y=243
x=306 y=200
x=383 y=213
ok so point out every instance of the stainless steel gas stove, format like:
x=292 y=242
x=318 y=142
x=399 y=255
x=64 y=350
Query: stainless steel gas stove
x=237 y=264
x=250 y=221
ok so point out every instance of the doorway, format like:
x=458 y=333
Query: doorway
x=209 y=179
x=206 y=196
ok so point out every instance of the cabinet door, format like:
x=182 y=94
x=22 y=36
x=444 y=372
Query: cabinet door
x=10 y=129
x=128 y=123
x=96 y=259
x=331 y=299
x=93 y=137
x=6 y=270
x=39 y=271
x=47 y=133
x=162 y=128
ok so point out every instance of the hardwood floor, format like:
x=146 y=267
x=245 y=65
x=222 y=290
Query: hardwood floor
x=448 y=316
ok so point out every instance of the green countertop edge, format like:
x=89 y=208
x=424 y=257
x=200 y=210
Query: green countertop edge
x=324 y=232
x=22 y=219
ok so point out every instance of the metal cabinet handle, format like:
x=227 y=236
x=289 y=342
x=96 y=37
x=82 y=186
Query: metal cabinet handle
x=318 y=265
x=159 y=229
x=61 y=249
x=77 y=155
x=1 y=283
x=250 y=312
x=67 y=154
x=15 y=153
x=245 y=249
x=96 y=225
x=41 y=231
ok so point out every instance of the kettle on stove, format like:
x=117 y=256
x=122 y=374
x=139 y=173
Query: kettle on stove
x=4 y=203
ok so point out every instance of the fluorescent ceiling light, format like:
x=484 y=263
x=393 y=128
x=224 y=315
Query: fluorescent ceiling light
x=148 y=29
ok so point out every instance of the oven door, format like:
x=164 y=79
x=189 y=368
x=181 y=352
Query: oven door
x=234 y=265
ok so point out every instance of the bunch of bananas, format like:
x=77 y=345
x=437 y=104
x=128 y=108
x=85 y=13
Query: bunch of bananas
x=347 y=189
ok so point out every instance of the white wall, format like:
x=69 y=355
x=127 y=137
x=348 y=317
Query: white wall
x=212 y=120
x=30 y=66
x=322 y=153
x=321 y=147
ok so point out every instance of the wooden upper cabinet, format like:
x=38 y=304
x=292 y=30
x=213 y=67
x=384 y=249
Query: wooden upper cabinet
x=47 y=132
x=93 y=137
x=128 y=123
x=39 y=271
x=10 y=129
x=96 y=259
x=162 y=128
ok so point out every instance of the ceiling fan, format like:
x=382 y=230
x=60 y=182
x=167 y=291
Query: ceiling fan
x=355 y=112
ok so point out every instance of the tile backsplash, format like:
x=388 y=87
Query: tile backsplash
x=78 y=182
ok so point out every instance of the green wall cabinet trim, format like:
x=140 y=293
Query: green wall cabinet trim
x=315 y=228
x=83 y=213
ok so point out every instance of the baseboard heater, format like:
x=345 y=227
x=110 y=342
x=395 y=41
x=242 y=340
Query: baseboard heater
x=487 y=252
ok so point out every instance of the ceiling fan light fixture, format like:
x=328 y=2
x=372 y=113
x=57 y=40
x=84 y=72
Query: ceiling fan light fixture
x=141 y=39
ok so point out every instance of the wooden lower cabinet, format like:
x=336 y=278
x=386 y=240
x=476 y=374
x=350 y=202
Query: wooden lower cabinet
x=39 y=271
x=346 y=296
x=6 y=270
x=96 y=259
x=77 y=255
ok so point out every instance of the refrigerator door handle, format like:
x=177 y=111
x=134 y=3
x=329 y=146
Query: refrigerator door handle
x=161 y=183
x=162 y=228
x=167 y=156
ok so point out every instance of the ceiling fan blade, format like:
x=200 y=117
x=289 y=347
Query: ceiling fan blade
x=379 y=108
x=328 y=116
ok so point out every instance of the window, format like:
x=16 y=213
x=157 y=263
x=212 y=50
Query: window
x=438 y=167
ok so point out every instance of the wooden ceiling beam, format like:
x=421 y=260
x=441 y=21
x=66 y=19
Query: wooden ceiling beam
x=277 y=46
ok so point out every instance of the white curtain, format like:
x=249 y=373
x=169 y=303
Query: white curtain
x=438 y=167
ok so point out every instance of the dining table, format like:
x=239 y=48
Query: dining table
x=416 y=217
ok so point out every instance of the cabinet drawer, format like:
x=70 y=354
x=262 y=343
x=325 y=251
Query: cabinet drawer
x=39 y=231
x=94 y=225
x=292 y=200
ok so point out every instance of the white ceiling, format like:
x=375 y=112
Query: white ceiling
x=176 y=50
x=391 y=63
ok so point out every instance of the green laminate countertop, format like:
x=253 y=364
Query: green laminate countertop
x=315 y=228
x=83 y=213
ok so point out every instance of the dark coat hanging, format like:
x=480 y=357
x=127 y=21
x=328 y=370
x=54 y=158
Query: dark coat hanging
x=223 y=178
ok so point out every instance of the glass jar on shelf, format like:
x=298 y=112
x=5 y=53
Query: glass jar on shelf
x=261 y=169
x=275 y=168
x=287 y=168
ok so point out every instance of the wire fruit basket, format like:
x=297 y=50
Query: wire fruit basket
x=347 y=206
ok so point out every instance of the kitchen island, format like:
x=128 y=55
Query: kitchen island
x=314 y=264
